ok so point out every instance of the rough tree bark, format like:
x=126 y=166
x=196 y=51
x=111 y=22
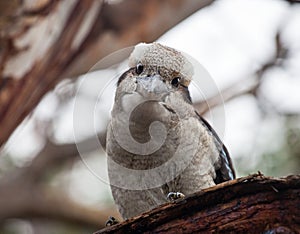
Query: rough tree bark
x=45 y=41
x=252 y=204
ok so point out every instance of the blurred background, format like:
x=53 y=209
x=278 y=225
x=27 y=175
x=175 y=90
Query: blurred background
x=49 y=84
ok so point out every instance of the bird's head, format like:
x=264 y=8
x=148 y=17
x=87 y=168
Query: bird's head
x=155 y=72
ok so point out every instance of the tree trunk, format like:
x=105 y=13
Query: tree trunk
x=252 y=204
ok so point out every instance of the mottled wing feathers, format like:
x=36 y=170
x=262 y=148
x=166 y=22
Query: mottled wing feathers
x=225 y=171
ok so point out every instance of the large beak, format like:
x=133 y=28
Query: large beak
x=152 y=84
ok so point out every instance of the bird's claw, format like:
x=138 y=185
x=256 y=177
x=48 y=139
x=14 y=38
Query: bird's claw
x=111 y=221
x=172 y=196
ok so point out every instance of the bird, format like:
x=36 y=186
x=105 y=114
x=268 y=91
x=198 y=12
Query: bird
x=159 y=148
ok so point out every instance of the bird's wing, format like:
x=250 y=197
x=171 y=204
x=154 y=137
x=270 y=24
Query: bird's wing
x=225 y=171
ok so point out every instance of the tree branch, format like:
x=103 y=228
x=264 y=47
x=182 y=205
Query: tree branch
x=253 y=204
x=53 y=155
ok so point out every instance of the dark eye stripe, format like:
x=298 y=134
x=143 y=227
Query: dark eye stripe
x=123 y=76
x=185 y=93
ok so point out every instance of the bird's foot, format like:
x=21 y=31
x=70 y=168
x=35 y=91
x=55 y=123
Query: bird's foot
x=111 y=221
x=172 y=196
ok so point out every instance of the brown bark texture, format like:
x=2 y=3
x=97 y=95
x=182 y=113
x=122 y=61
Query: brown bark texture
x=252 y=204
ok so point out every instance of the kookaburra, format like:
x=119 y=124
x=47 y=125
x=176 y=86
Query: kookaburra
x=158 y=146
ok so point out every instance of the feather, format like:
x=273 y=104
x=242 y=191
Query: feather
x=225 y=171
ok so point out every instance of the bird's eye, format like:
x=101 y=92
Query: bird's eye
x=139 y=68
x=175 y=81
